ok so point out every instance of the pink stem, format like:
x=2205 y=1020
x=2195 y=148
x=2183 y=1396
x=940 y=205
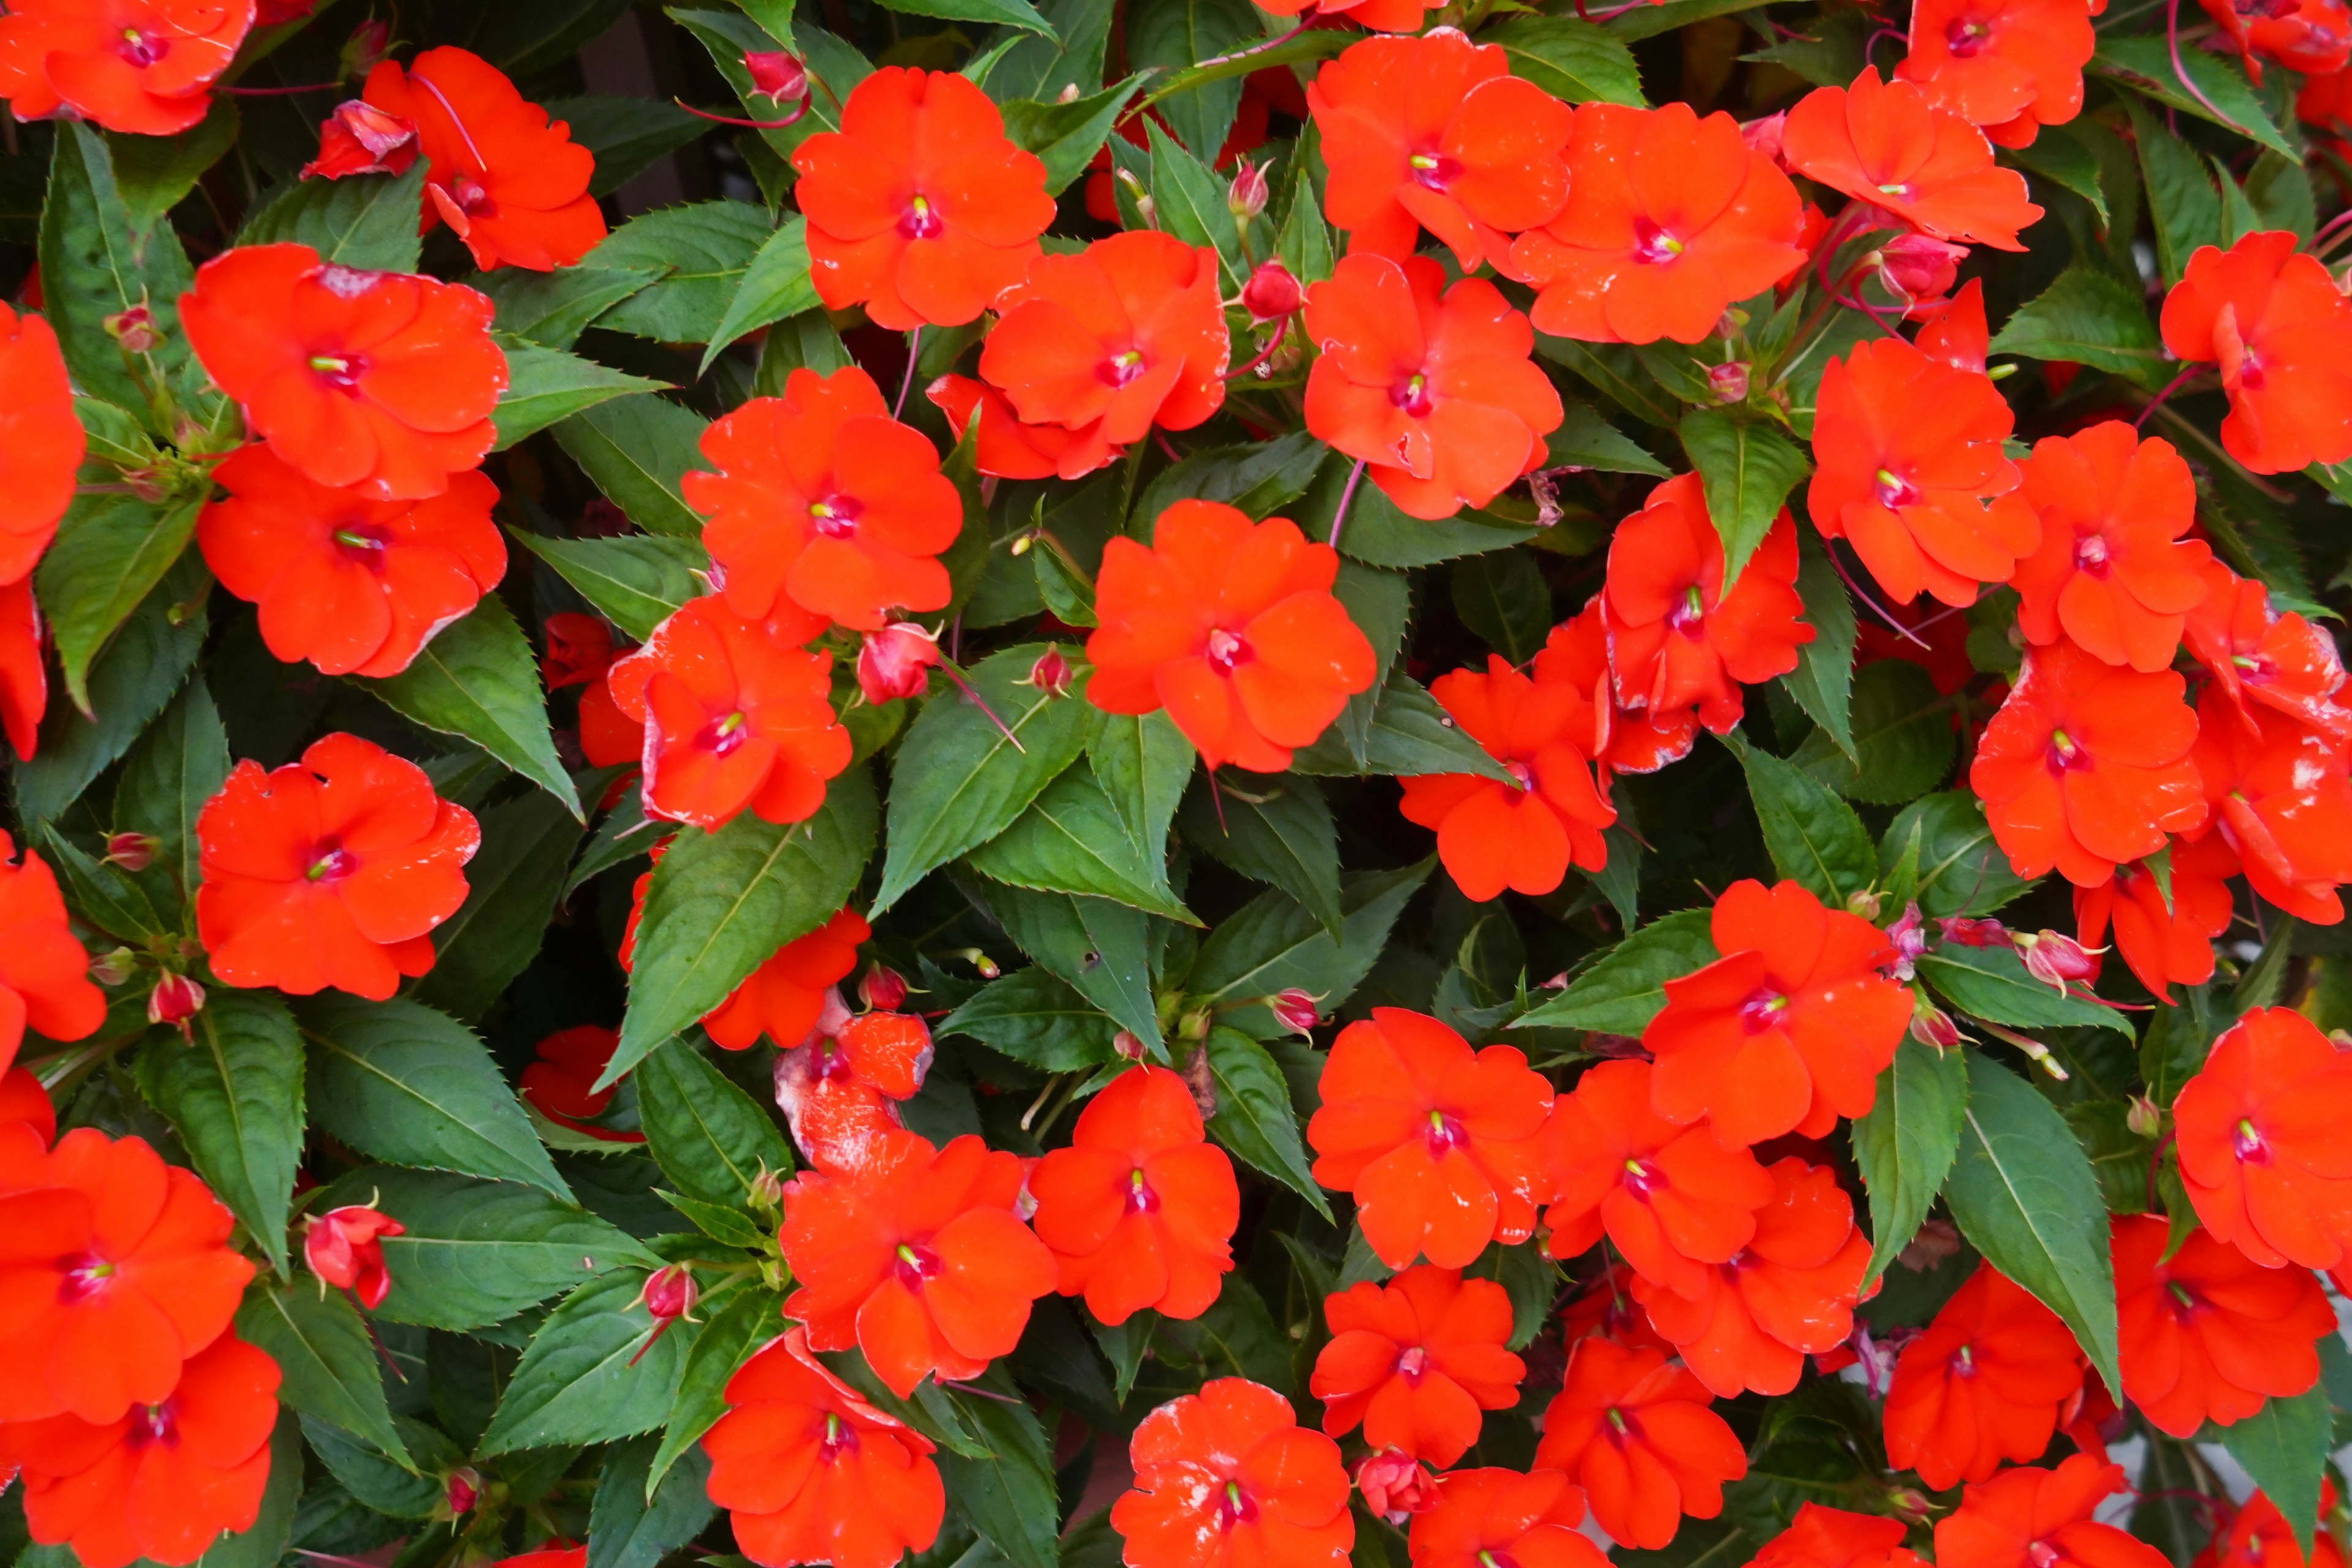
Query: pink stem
x=2169 y=388
x=1265 y=354
x=981 y=702
x=451 y=111
x=914 y=351
x=2180 y=74
x=1306 y=20
x=1863 y=594
x=1355 y=477
x=784 y=124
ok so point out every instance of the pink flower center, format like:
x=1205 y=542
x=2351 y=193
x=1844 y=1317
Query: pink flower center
x=1444 y=1134
x=832 y=1063
x=152 y=1424
x=2185 y=1303
x=1411 y=395
x=1140 y=1198
x=1964 y=1362
x=919 y=222
x=915 y=1265
x=1227 y=651
x=1121 y=368
x=2248 y=1143
x=1763 y=1010
x=2258 y=669
x=2091 y=555
x=835 y=517
x=342 y=372
x=1642 y=1178
x=2065 y=753
x=364 y=542
x=1653 y=245
x=1235 y=1507
x=1894 y=489
x=141 y=49
x=1520 y=772
x=1689 y=614
x=469 y=195
x=1413 y=1364
x=2041 y=1554
x=1435 y=170
x=721 y=736
x=840 y=1437
x=1967 y=39
x=82 y=1276
x=331 y=863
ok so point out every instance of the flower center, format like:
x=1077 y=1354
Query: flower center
x=1964 y=1362
x=469 y=195
x=1968 y=39
x=141 y=49
x=2065 y=753
x=1228 y=651
x=1444 y=1134
x=915 y=1265
x=1435 y=170
x=833 y=1062
x=1519 y=771
x=1653 y=245
x=153 y=1423
x=2249 y=1144
x=2041 y=1554
x=364 y=542
x=1121 y=368
x=2185 y=1303
x=1642 y=1178
x=342 y=372
x=2091 y=555
x=1690 y=616
x=919 y=222
x=1411 y=395
x=1894 y=489
x=721 y=736
x=1234 y=1507
x=331 y=863
x=84 y=1276
x=1620 y=1426
x=835 y=517
x=1140 y=1198
x=1762 y=1010
x=1497 y=1560
x=1900 y=190
x=840 y=1437
x=1413 y=1364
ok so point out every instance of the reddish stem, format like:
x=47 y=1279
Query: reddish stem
x=2159 y=399
x=1339 y=517
x=952 y=673
x=1265 y=353
x=2180 y=74
x=786 y=123
x=1863 y=593
x=1306 y=20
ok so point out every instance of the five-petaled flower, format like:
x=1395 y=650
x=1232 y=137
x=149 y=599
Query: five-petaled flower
x=1416 y=1359
x=1227 y=1478
x=2268 y=315
x=1633 y=1430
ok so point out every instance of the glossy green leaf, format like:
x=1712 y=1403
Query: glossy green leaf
x=1037 y=1020
x=1991 y=983
x=1254 y=1119
x=636 y=449
x=707 y=250
x=1008 y=1495
x=634 y=581
x=1822 y=683
x=1905 y=1146
x=1275 y=829
x=1814 y=838
x=363 y=221
x=1626 y=987
x=635 y=1522
x=97 y=261
x=740 y=1324
x=545 y=384
x=512 y=885
x=232 y=1091
x=1072 y=840
x=1747 y=469
x=1961 y=870
x=477 y=679
x=1902 y=733
x=2285 y=1446
x=326 y=1363
x=1142 y=763
x=776 y=285
x=2092 y=319
x=712 y=1140
x=1098 y=948
x=1066 y=136
x=578 y=1384
x=110 y=553
x=1574 y=61
x=1272 y=944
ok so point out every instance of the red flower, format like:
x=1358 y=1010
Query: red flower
x=2010 y=67
x=823 y=500
x=1138 y=1209
x=839 y=1089
x=1106 y=344
x=2166 y=940
x=914 y=1258
x=114 y=1269
x=1416 y=1359
x=25 y=1103
x=2028 y=1516
x=1670 y=218
x=1231 y=625
x=24 y=674
x=2264 y=1131
x=2254 y=654
x=783 y=998
x=1673 y=1200
x=2314 y=36
x=1436 y=394
x=1606 y=1306
x=1483 y=1519
x=2280 y=799
x=379 y=381
x=1984 y=1383
x=1226 y=1479
x=579 y=651
x=737 y=715
x=141 y=66
x=1522 y=836
x=560 y=1085
x=2112 y=572
x=1439 y=1143
x=2269 y=316
x=1786 y=1032
x=41 y=440
x=344 y=1247
x=1378 y=16
x=919 y=208
x=2325 y=101
x=359 y=138
x=1005 y=447
x=2258 y=1534
x=354 y=585
x=809 y=1472
x=1890 y=146
x=2086 y=766
x=44 y=973
x=1434 y=133
x=1833 y=1538
x=161 y=1479
x=1633 y=740
x=330 y=871
x=2209 y=1335
x=1910 y=452
x=1635 y=1431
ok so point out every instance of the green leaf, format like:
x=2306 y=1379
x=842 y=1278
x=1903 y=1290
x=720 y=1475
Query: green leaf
x=1625 y=986
x=1098 y=948
x=1814 y=838
x=710 y=1138
x=178 y=764
x=722 y=903
x=1748 y=470
x=627 y=135
x=405 y=1084
x=706 y=247
x=1822 y=683
x=1260 y=479
x=1254 y=1119
x=2090 y=319
x=1142 y=761
x=1175 y=35
x=375 y=1481
x=576 y=1383
x=110 y=553
x=103 y=896
x=1961 y=870
x=2064 y=161
x=1409 y=735
x=1066 y=136
x=1991 y=983
x=1271 y=944
x=1037 y=1020
x=1502 y=596
x=2141 y=62
x=545 y=384
x=1577 y=62
x=1586 y=440
x=1011 y=13
x=1008 y=1496
x=1377 y=532
x=1903 y=737
x=1615 y=372
x=2284 y=1447
x=1905 y=1146
x=1190 y=204
x=154 y=174
x=1071 y=839
x=736 y=1330
x=478 y=681
x=554 y=308
x=1275 y=829
x=97 y=261
x=776 y=285
x=634 y=581
x=234 y=1093
x=364 y=221
x=627 y=1531
x=2025 y=1196
x=324 y=1358
x=512 y=885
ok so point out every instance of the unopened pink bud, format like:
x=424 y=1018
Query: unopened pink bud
x=368 y=46
x=113 y=968
x=776 y=75
x=1248 y=195
x=132 y=851
x=464 y=1489
x=175 y=1001
x=2058 y=960
x=1908 y=937
x=1051 y=673
x=344 y=1247
x=135 y=329
x=1970 y=933
x=669 y=1293
x=897 y=661
x=1931 y=1026
x=1295 y=1010
x=1914 y=267
x=1128 y=1044
x=1729 y=381
x=882 y=990
x=1272 y=293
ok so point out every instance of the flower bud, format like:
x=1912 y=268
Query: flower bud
x=895 y=661
x=175 y=1001
x=1913 y=267
x=1128 y=1044
x=369 y=47
x=1764 y=135
x=2145 y=1118
x=979 y=960
x=1864 y=902
x=1272 y=293
x=882 y=990
x=669 y=1293
x=462 y=1492
x=1931 y=1026
x=2058 y=960
x=1295 y=1010
x=767 y=1190
x=1051 y=673
x=1729 y=381
x=1973 y=933
x=344 y=1247
x=360 y=139
x=1911 y=1505
x=132 y=851
x=1248 y=193
x=1069 y=93
x=113 y=968
x=1908 y=936
x=776 y=75
x=1394 y=1486
x=1544 y=486
x=135 y=329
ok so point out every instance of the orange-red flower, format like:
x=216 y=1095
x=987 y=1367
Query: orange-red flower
x=2112 y=572
x=1673 y=1200
x=114 y=1269
x=330 y=871
x=41 y=441
x=344 y=1247
x=1669 y=219
x=2269 y=316
x=1434 y=133
x=1629 y=739
x=2255 y=654
x=1635 y=1431
x=2168 y=940
x=356 y=587
x=1522 y=836
x=2209 y=1335
x=1006 y=448
x=1138 y=1209
x=2009 y=66
x=1910 y=452
x=919 y=207
x=2086 y=766
x=914 y=1258
x=1606 y=1306
x=44 y=973
x=2313 y=36
x=143 y=67
x=1833 y=1538
x=2258 y=1536
x=24 y=673
x=379 y=381
x=1984 y=1383
x=1106 y=344
x=25 y=1103
x=560 y=1083
x=1483 y=1519
x=1416 y=1359
x=737 y=714
x=1432 y=386
x=811 y=1473
x=2027 y=1515
x=2264 y=1131
x=2280 y=798
x=1890 y=146
x=1439 y=1143
x=784 y=998
x=839 y=1089
x=1231 y=627
x=161 y=1479
x=1227 y=1478
x=1378 y=16
x=823 y=499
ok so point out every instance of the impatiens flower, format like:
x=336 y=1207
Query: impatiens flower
x=379 y=381
x=1635 y=1431
x=560 y=1084
x=1436 y=133
x=896 y=662
x=1416 y=1359
x=1676 y=638
x=1910 y=452
x=41 y=441
x=1786 y=1032
x=822 y=499
x=1138 y=1209
x=2313 y=36
x=919 y=208
x=331 y=871
x=1606 y=1306
x=2269 y=316
x=2264 y=1131
x=914 y=1258
x=2280 y=798
x=2209 y=1335
x=1432 y=386
x=1438 y=1143
x=2086 y=766
x=2027 y=1517
x=359 y=138
x=1833 y=1538
x=356 y=587
x=1984 y=1383
x=1226 y=1479
x=140 y=66
x=1633 y=739
x=161 y=1479
x=1673 y=1200
x=2112 y=571
x=1670 y=218
x=24 y=1103
x=2009 y=66
x=1231 y=627
x=24 y=672
x=1005 y=447
x=1127 y=335
x=1525 y=834
x=1395 y=1487
x=1484 y=1518
x=44 y=973
x=840 y=1089
x=344 y=1247
x=737 y=714
x=1889 y=145
x=2256 y=655
x=809 y=1472
x=2258 y=1536
x=784 y=996
x=114 y=1269
x=1377 y=16
x=2166 y=938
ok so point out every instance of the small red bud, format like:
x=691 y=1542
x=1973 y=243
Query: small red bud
x=1248 y=195
x=1295 y=1010
x=344 y=1247
x=2058 y=960
x=1128 y=1044
x=132 y=851
x=1272 y=293
x=1395 y=1486
x=175 y=1001
x=1931 y=1026
x=135 y=329
x=464 y=1491
x=1973 y=933
x=882 y=990
x=776 y=76
x=113 y=968
x=895 y=661
x=1051 y=673
x=1729 y=381
x=1913 y=267
x=368 y=46
x=670 y=1292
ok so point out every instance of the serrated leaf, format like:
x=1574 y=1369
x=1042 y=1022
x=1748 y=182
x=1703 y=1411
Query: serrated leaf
x=326 y=1363
x=1574 y=61
x=1071 y=839
x=1175 y=35
x=2142 y=63
x=1586 y=440
x=1748 y=470
x=1814 y=838
x=1905 y=1146
x=1037 y=1020
x=1377 y=532
x=554 y=308
x=2090 y=319
x=1066 y=136
x=1143 y=761
x=478 y=681
x=232 y=1091
x=1189 y=203
x=1961 y=870
x=1098 y=948
x=154 y=174
x=1822 y=683
x=512 y=885
x=710 y=1139
x=1409 y=735
x=1008 y=1495
x=179 y=763
x=1902 y=733
x=1626 y=987
x=635 y=1522
x=2285 y=1446
x=364 y=221
x=705 y=248
x=97 y=261
x=1991 y=983
x=636 y=581
x=737 y=1329
x=776 y=285
x=576 y=1383
x=1254 y=1119
x=1502 y=596
x=108 y=554
x=1275 y=829
x=545 y=384
x=1272 y=944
